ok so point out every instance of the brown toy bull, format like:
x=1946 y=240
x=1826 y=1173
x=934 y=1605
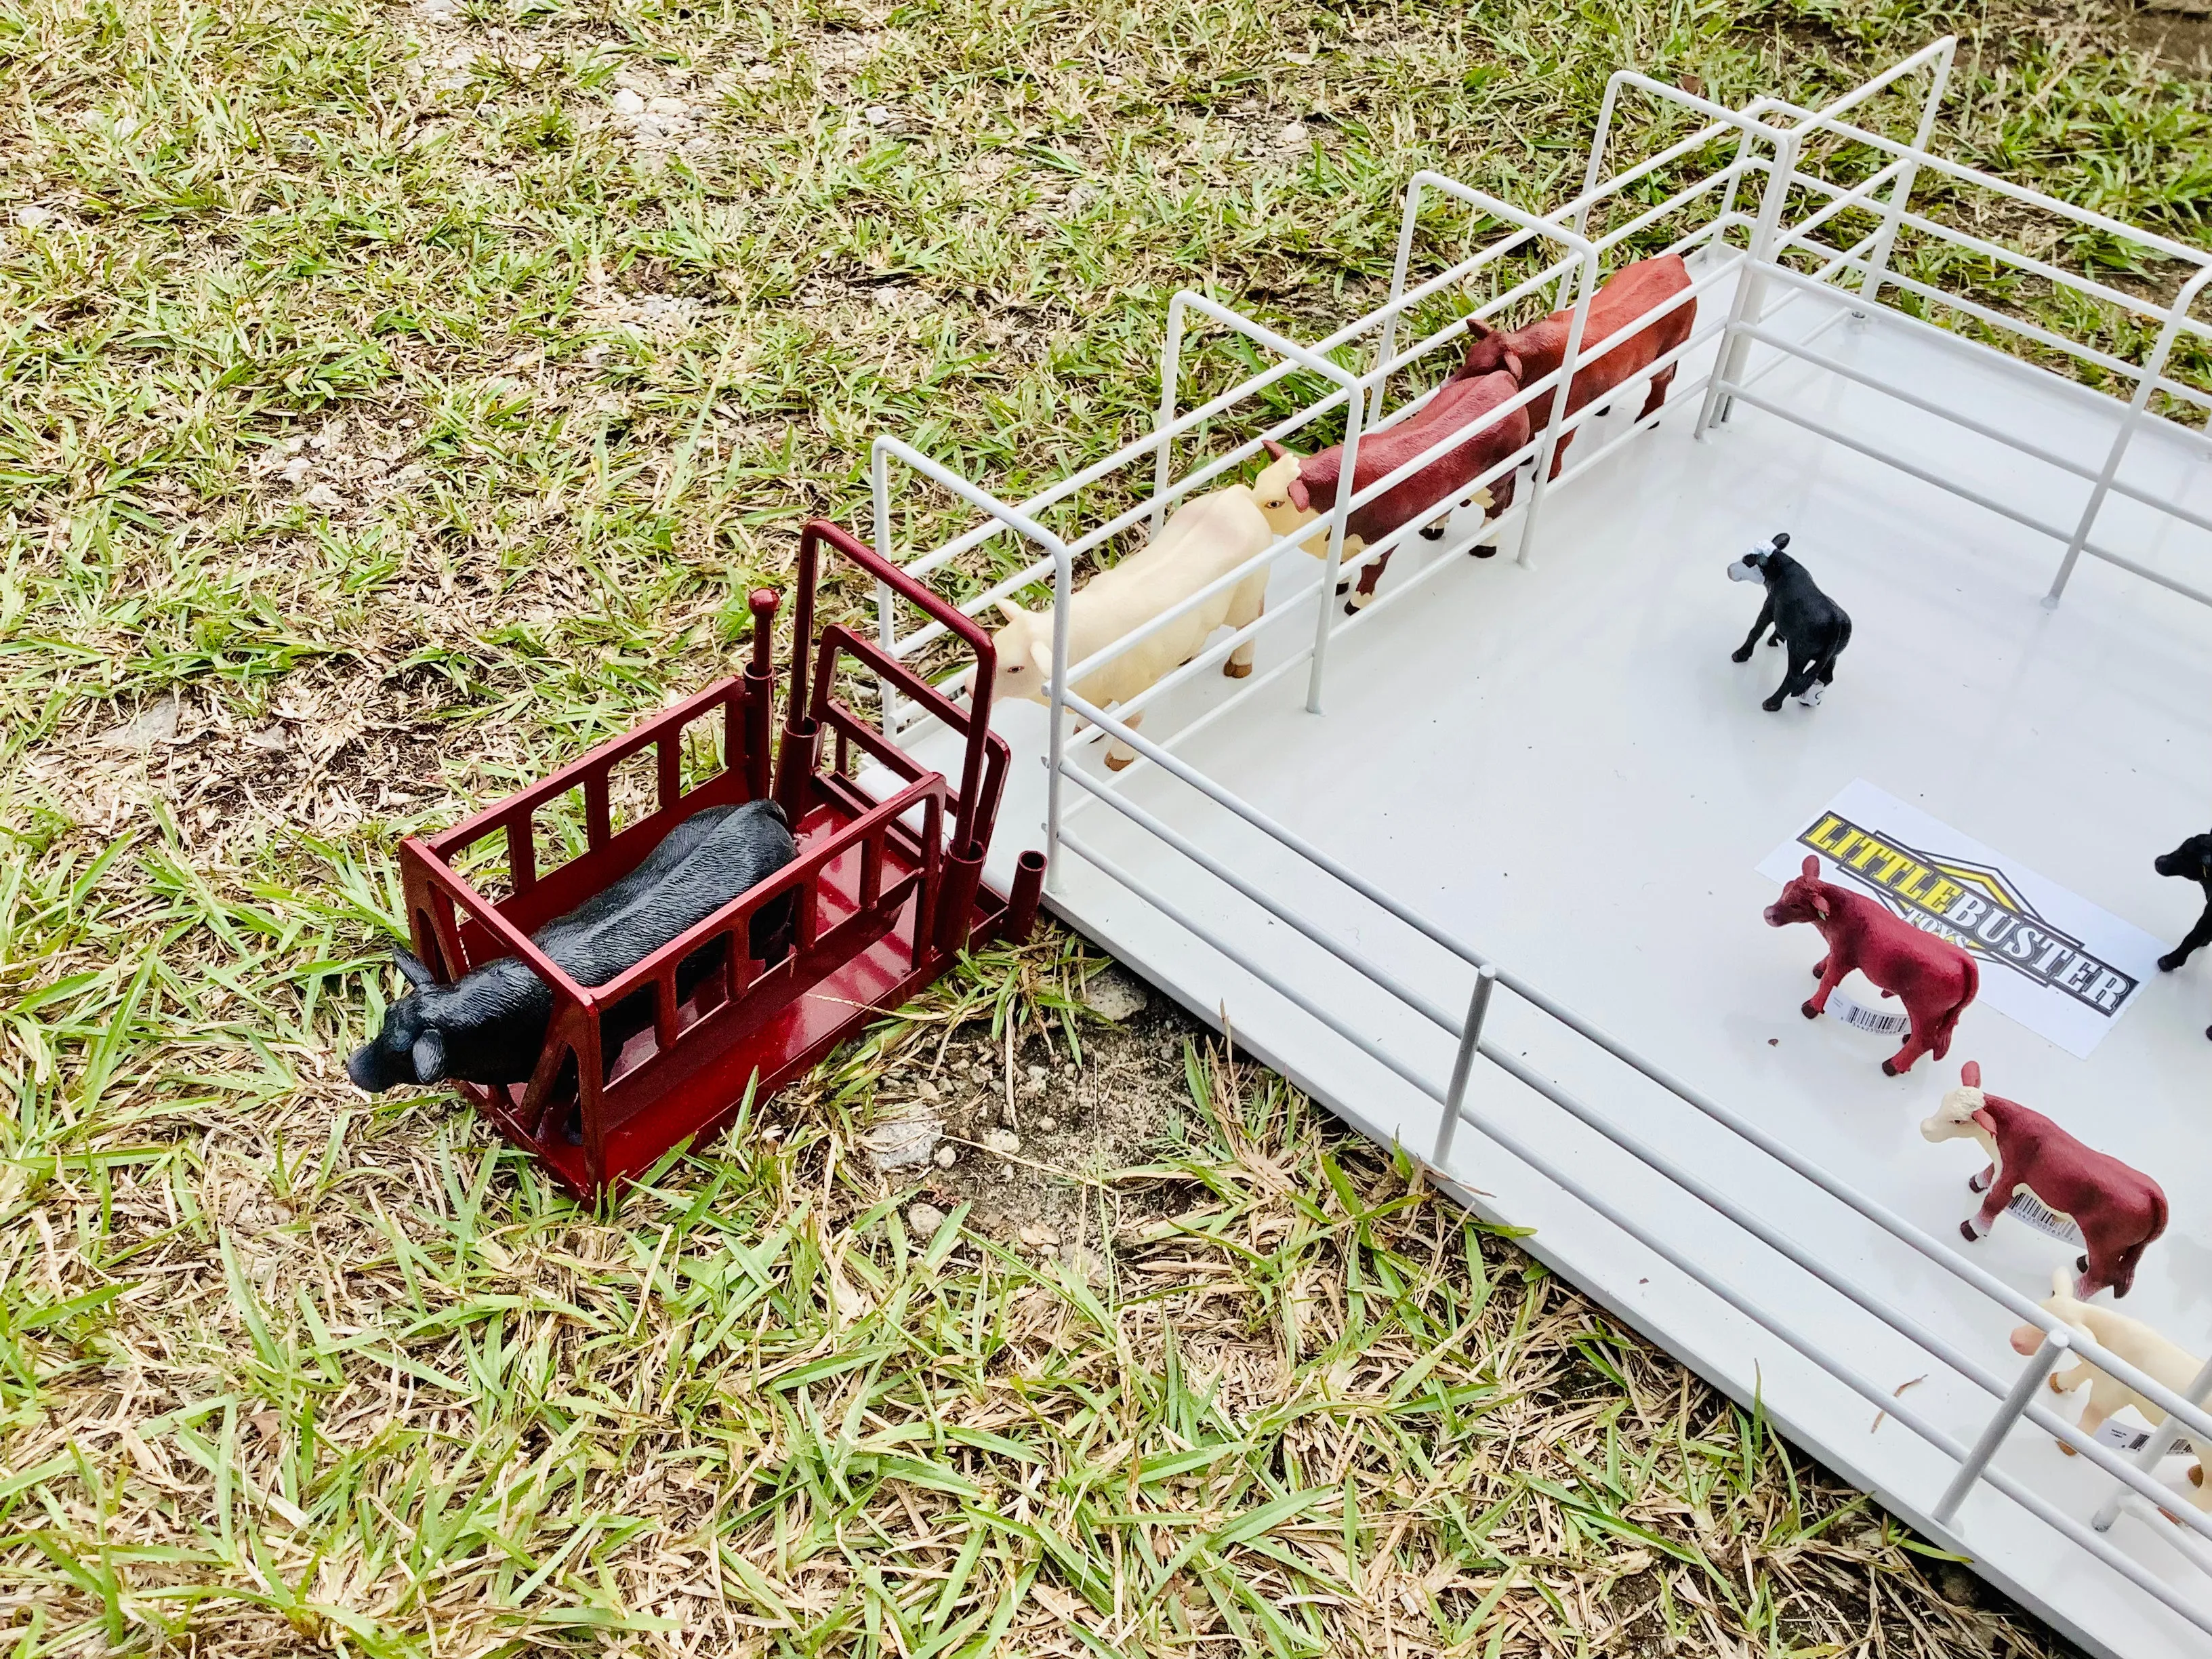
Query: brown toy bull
x=1621 y=306
x=1934 y=977
x=2119 y=1210
x=1466 y=403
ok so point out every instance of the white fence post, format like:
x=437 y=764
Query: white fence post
x=2145 y=386
x=1540 y=482
x=1750 y=286
x=1063 y=583
x=1170 y=372
x=2053 y=1349
x=1877 y=258
x=2162 y=1442
x=1478 y=1010
x=1347 y=476
x=1389 y=341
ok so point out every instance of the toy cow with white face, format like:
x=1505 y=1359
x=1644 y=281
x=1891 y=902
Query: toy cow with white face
x=2119 y=1210
x=1203 y=540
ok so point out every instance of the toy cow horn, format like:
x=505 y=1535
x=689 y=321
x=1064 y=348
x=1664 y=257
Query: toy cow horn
x=1011 y=611
x=1971 y=1075
x=1812 y=867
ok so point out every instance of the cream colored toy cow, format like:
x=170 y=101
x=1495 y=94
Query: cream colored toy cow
x=2135 y=1342
x=1203 y=540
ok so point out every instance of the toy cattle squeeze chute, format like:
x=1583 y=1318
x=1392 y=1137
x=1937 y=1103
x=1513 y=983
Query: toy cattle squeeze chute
x=2119 y=1210
x=1934 y=978
x=629 y=999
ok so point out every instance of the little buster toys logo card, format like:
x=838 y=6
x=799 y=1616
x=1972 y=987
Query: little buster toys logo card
x=2049 y=959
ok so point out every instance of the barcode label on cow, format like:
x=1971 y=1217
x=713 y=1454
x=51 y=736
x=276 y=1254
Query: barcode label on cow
x=1865 y=1019
x=2045 y=1219
x=2121 y=1436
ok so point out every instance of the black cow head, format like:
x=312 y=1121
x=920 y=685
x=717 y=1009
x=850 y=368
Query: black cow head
x=1752 y=566
x=408 y=1049
x=2192 y=860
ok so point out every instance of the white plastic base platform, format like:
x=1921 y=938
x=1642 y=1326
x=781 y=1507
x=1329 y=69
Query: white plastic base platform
x=1561 y=766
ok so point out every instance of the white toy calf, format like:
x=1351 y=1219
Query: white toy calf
x=2135 y=1342
x=1203 y=540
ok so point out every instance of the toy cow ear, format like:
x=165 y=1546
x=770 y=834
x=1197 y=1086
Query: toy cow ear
x=1983 y=1118
x=412 y=968
x=1276 y=449
x=1812 y=870
x=429 y=1055
x=1301 y=497
x=1011 y=611
x=1971 y=1075
x=1479 y=329
x=1513 y=364
x=1041 y=655
x=1820 y=905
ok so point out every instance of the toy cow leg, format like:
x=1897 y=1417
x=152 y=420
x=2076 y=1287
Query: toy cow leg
x=1657 y=396
x=1246 y=607
x=1831 y=969
x=1805 y=672
x=1742 y=653
x=1918 y=1040
x=1118 y=754
x=1977 y=1225
x=2091 y=1276
x=1559 y=456
x=1363 y=595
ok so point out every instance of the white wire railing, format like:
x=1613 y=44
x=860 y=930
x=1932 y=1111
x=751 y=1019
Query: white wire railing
x=1747 y=255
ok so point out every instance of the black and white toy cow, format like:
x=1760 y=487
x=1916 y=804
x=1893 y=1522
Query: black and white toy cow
x=1813 y=625
x=490 y=1026
x=2192 y=861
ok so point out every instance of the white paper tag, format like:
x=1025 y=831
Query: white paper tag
x=2027 y=1207
x=2121 y=1436
x=1866 y=1019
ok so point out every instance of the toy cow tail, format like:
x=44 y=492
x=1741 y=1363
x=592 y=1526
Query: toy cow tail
x=1939 y=1042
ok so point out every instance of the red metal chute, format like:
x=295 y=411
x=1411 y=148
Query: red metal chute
x=884 y=901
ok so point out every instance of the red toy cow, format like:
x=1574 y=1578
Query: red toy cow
x=1621 y=305
x=1465 y=400
x=1935 y=977
x=2118 y=1209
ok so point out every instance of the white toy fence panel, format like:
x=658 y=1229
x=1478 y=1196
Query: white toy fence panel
x=1779 y=253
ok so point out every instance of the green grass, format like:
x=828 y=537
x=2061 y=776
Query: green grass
x=282 y=1367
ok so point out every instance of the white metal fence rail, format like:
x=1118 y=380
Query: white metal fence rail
x=1772 y=140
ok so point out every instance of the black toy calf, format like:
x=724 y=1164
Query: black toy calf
x=489 y=1027
x=1813 y=625
x=2192 y=860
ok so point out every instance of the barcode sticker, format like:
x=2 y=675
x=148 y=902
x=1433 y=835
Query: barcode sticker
x=2122 y=1437
x=2027 y=1207
x=1865 y=1019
